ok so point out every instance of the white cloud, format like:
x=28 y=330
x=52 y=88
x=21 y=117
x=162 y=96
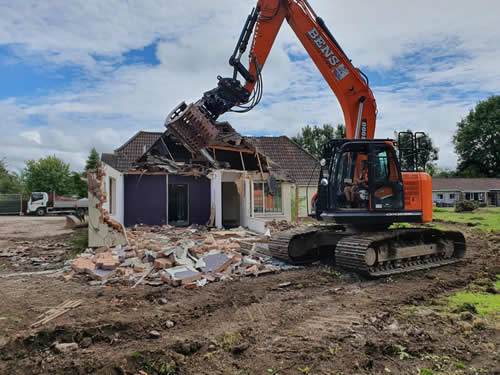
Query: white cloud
x=32 y=136
x=442 y=57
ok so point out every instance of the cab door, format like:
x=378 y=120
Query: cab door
x=385 y=180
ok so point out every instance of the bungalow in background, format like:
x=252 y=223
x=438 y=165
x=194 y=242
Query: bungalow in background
x=446 y=192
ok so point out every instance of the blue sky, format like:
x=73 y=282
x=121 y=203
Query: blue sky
x=83 y=74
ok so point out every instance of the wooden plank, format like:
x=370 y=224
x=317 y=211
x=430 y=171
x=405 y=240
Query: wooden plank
x=242 y=161
x=226 y=148
x=260 y=165
x=56 y=312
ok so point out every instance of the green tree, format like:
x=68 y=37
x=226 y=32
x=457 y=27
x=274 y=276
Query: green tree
x=427 y=155
x=10 y=183
x=93 y=160
x=477 y=140
x=445 y=173
x=311 y=138
x=49 y=174
x=79 y=186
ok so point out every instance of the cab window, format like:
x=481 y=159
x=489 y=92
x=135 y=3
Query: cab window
x=36 y=197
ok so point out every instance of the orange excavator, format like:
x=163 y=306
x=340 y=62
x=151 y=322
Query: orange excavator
x=362 y=187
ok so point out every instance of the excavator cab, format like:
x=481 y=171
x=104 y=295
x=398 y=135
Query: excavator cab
x=360 y=182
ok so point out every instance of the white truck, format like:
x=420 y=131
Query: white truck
x=41 y=203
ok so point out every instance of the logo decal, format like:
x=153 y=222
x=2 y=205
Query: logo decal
x=341 y=71
x=364 y=130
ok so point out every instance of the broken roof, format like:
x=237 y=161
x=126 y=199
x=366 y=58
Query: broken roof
x=229 y=150
x=466 y=184
x=300 y=164
x=279 y=155
x=125 y=156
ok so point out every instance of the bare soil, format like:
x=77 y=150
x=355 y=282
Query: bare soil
x=31 y=227
x=317 y=320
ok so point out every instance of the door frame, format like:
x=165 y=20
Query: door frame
x=178 y=223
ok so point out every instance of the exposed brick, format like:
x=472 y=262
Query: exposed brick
x=102 y=249
x=82 y=265
x=233 y=246
x=139 y=267
x=108 y=263
x=254 y=269
x=162 y=263
x=192 y=285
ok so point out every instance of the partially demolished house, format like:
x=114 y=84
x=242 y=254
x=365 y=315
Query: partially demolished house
x=155 y=179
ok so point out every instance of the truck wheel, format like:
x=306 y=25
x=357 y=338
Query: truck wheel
x=80 y=212
x=40 y=211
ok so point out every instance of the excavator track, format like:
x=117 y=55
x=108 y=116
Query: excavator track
x=376 y=254
x=304 y=245
x=398 y=251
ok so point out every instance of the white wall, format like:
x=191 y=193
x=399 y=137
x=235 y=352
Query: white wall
x=305 y=196
x=119 y=214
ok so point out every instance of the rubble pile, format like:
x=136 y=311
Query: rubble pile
x=44 y=255
x=189 y=257
x=279 y=226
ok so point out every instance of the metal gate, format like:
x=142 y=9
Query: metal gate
x=11 y=204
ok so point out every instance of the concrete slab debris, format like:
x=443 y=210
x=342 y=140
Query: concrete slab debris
x=180 y=275
x=214 y=261
x=101 y=274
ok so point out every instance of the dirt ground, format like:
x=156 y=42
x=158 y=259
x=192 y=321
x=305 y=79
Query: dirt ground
x=317 y=320
x=30 y=227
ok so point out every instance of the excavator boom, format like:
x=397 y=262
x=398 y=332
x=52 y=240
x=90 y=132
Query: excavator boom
x=346 y=81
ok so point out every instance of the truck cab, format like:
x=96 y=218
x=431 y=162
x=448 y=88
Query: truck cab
x=38 y=203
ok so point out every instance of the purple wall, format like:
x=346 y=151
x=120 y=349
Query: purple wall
x=199 y=197
x=145 y=199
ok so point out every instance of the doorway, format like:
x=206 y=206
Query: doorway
x=178 y=204
x=230 y=205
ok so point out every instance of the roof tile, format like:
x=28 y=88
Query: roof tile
x=299 y=164
x=466 y=184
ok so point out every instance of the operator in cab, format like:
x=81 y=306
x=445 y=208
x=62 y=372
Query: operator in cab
x=351 y=191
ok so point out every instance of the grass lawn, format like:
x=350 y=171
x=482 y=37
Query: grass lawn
x=487 y=218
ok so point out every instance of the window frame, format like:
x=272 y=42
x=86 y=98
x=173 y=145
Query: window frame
x=36 y=194
x=112 y=195
x=263 y=213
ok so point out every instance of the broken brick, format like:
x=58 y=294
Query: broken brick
x=102 y=249
x=82 y=265
x=162 y=263
x=106 y=261
x=192 y=285
x=139 y=267
x=254 y=269
x=234 y=246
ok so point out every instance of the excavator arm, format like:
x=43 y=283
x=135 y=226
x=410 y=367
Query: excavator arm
x=347 y=82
